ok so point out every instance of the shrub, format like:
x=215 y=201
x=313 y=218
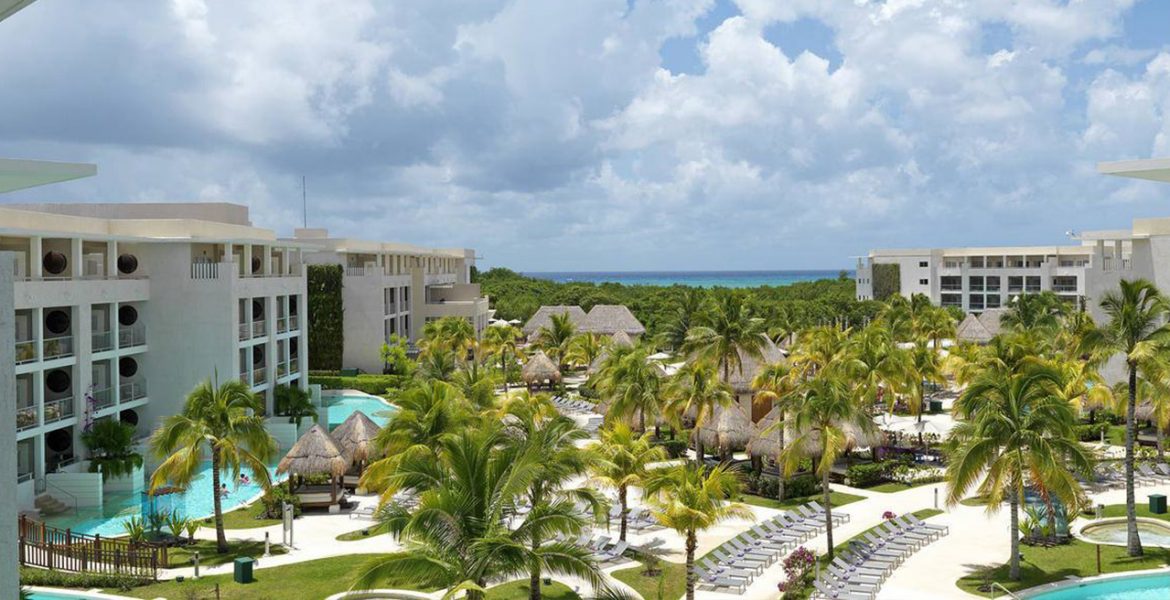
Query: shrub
x=801 y=485
x=274 y=501
x=45 y=577
x=797 y=570
x=868 y=474
x=377 y=385
x=673 y=448
x=111 y=448
x=1091 y=432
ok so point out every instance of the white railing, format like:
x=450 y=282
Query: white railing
x=26 y=418
x=134 y=335
x=27 y=476
x=103 y=398
x=293 y=323
x=259 y=376
x=259 y=328
x=204 y=270
x=26 y=351
x=58 y=347
x=58 y=410
x=355 y=271
x=129 y=392
x=282 y=325
x=102 y=341
x=245 y=331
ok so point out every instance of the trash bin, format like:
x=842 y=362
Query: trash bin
x=936 y=406
x=243 y=570
x=1158 y=504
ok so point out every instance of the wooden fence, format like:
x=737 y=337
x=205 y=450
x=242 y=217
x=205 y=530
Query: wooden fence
x=62 y=550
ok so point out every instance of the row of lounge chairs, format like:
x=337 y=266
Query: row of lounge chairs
x=640 y=520
x=569 y=405
x=1112 y=475
x=859 y=572
x=605 y=550
x=735 y=564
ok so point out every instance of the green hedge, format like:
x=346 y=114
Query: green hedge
x=326 y=314
x=869 y=474
x=674 y=448
x=1092 y=432
x=368 y=383
x=44 y=577
x=887 y=280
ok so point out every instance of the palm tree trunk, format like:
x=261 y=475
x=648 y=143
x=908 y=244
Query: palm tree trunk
x=691 y=543
x=625 y=511
x=504 y=369
x=1159 y=441
x=1014 y=507
x=1133 y=541
x=828 y=511
x=779 y=472
x=221 y=545
x=534 y=578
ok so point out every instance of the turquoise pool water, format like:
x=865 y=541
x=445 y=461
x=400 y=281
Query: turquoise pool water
x=1152 y=534
x=197 y=503
x=340 y=407
x=1143 y=587
x=60 y=596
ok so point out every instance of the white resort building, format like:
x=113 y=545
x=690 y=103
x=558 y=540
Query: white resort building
x=978 y=279
x=121 y=309
x=399 y=286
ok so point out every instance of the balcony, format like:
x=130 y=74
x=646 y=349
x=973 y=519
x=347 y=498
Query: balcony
x=102 y=341
x=134 y=335
x=1064 y=289
x=281 y=369
x=259 y=376
x=58 y=347
x=26 y=418
x=294 y=324
x=259 y=328
x=282 y=325
x=245 y=331
x=129 y=392
x=205 y=270
x=58 y=410
x=951 y=287
x=26 y=352
x=25 y=476
x=103 y=398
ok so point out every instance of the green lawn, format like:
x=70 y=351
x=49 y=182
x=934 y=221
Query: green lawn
x=375 y=529
x=1143 y=510
x=518 y=590
x=1046 y=565
x=309 y=579
x=243 y=518
x=890 y=487
x=183 y=556
x=673 y=579
x=974 y=501
x=836 y=498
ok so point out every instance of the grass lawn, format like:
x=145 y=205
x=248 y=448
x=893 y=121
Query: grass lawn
x=836 y=498
x=1046 y=565
x=309 y=579
x=182 y=556
x=243 y=518
x=890 y=487
x=1143 y=510
x=518 y=590
x=374 y=529
x=673 y=579
x=974 y=501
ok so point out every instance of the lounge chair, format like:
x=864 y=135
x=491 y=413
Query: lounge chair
x=764 y=544
x=774 y=536
x=828 y=590
x=859 y=570
x=812 y=511
x=749 y=547
x=942 y=529
x=896 y=533
x=791 y=522
x=598 y=544
x=856 y=579
x=739 y=562
x=717 y=581
x=820 y=509
x=880 y=564
x=1150 y=474
x=725 y=571
x=612 y=554
x=906 y=525
x=366 y=512
x=778 y=526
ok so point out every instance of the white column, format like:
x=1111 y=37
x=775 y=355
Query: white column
x=246 y=267
x=75 y=258
x=9 y=578
x=266 y=268
x=35 y=256
x=111 y=258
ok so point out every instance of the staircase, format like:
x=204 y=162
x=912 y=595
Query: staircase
x=48 y=505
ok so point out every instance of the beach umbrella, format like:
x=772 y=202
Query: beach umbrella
x=924 y=426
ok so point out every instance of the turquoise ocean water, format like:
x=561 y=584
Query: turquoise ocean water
x=706 y=279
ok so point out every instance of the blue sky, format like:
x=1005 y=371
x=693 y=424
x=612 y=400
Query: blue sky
x=608 y=134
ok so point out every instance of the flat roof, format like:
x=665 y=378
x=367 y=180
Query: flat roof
x=18 y=174
x=1151 y=169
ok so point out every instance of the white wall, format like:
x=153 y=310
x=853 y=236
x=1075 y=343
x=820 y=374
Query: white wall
x=83 y=488
x=9 y=577
x=134 y=482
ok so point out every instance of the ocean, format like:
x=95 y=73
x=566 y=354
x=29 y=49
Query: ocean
x=705 y=279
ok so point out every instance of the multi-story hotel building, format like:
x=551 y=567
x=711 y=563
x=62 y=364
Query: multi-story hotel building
x=399 y=286
x=977 y=279
x=121 y=309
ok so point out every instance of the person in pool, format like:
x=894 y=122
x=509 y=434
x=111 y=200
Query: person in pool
x=244 y=479
x=223 y=491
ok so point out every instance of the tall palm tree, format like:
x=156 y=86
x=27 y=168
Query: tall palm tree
x=827 y=419
x=459 y=536
x=437 y=364
x=554 y=337
x=622 y=461
x=633 y=386
x=730 y=334
x=476 y=384
x=696 y=388
x=584 y=348
x=1015 y=430
x=222 y=421
x=688 y=500
x=934 y=324
x=925 y=367
x=1043 y=311
x=688 y=312
x=500 y=341
x=1136 y=330
x=775 y=384
x=878 y=366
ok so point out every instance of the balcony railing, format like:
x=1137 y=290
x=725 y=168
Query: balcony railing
x=951 y=287
x=294 y=324
x=26 y=352
x=103 y=398
x=58 y=347
x=129 y=392
x=282 y=325
x=134 y=335
x=26 y=418
x=204 y=270
x=58 y=410
x=245 y=331
x=102 y=341
x=1064 y=288
x=259 y=328
x=26 y=476
x=259 y=376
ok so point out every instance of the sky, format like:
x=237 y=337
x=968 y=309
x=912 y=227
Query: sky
x=606 y=134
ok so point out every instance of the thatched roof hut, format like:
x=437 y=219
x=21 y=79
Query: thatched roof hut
x=540 y=370
x=612 y=319
x=980 y=328
x=355 y=437
x=727 y=429
x=765 y=441
x=543 y=318
x=315 y=452
x=741 y=379
x=854 y=438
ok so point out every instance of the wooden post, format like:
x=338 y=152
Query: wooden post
x=1098 y=559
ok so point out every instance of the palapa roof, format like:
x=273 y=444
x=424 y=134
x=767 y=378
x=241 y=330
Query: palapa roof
x=355 y=437
x=619 y=339
x=765 y=442
x=543 y=318
x=980 y=328
x=315 y=452
x=540 y=368
x=741 y=380
x=728 y=428
x=611 y=319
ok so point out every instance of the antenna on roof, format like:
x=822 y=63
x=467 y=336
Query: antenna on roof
x=304 y=202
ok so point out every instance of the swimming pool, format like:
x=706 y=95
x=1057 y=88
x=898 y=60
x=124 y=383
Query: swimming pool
x=46 y=594
x=197 y=503
x=341 y=406
x=1138 y=587
x=1113 y=532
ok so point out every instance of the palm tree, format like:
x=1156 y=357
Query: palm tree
x=622 y=461
x=688 y=312
x=827 y=418
x=934 y=324
x=476 y=384
x=1136 y=330
x=1042 y=312
x=925 y=367
x=688 y=500
x=696 y=388
x=500 y=340
x=552 y=439
x=775 y=384
x=879 y=367
x=225 y=422
x=459 y=536
x=633 y=387
x=1013 y=430
x=554 y=337
x=729 y=335
x=584 y=348
x=437 y=364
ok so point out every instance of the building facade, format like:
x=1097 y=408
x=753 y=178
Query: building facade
x=399 y=286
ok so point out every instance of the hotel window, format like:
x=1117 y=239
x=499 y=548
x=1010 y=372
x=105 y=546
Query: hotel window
x=992 y=301
x=923 y=264
x=1064 y=283
x=976 y=262
x=992 y=283
x=1032 y=284
x=975 y=283
x=952 y=300
x=951 y=284
x=923 y=282
x=1015 y=283
x=975 y=302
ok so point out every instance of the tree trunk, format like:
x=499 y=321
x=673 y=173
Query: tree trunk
x=1133 y=541
x=779 y=471
x=1160 y=440
x=828 y=511
x=476 y=594
x=1014 y=507
x=625 y=511
x=221 y=545
x=504 y=370
x=691 y=543
x=534 y=578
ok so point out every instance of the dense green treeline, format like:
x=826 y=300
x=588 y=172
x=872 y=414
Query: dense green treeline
x=795 y=306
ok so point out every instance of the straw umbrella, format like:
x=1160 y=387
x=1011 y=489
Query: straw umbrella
x=315 y=452
x=355 y=437
x=729 y=427
x=540 y=370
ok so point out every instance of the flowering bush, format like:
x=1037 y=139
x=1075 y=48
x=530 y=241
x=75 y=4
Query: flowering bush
x=797 y=567
x=889 y=514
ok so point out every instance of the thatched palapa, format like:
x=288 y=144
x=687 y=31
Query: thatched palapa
x=316 y=452
x=727 y=429
x=612 y=319
x=741 y=379
x=765 y=440
x=355 y=437
x=543 y=318
x=540 y=370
